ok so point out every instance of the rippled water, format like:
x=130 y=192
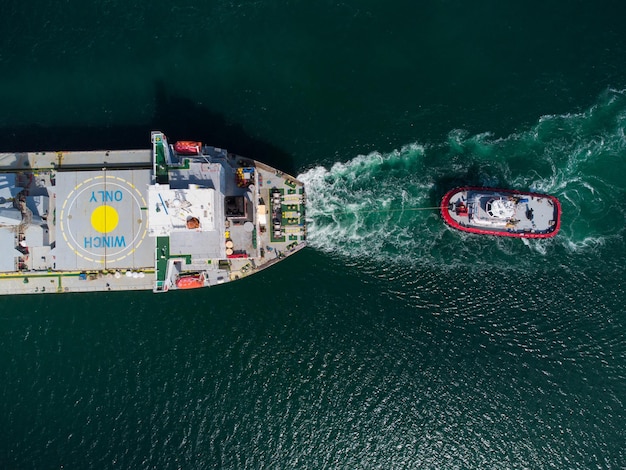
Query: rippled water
x=393 y=341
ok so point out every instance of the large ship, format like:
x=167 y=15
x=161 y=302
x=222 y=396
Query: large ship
x=502 y=212
x=170 y=217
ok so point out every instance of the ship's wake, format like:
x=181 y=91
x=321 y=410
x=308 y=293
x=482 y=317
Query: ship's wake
x=381 y=207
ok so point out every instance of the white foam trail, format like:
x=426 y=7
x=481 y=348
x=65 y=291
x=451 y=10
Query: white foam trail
x=359 y=208
x=365 y=207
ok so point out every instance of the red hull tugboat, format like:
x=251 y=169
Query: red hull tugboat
x=502 y=212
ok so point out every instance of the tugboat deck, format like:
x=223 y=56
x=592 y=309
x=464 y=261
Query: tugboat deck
x=502 y=212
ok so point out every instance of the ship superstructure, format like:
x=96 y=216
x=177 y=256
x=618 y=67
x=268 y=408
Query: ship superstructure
x=170 y=217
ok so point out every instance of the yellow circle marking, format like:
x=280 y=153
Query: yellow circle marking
x=104 y=219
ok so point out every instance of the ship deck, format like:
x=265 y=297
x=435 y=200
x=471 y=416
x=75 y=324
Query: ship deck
x=142 y=219
x=102 y=221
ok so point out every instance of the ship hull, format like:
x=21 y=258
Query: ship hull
x=173 y=217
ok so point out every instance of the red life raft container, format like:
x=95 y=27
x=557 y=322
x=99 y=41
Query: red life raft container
x=190 y=282
x=187 y=147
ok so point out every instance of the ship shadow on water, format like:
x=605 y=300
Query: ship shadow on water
x=179 y=117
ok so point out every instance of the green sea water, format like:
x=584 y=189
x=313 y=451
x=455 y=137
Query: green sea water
x=392 y=341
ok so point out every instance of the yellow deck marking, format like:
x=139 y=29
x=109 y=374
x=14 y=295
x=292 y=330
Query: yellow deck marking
x=104 y=219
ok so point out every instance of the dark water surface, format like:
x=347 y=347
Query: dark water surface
x=393 y=342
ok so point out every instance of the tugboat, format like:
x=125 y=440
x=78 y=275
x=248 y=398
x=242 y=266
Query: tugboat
x=501 y=212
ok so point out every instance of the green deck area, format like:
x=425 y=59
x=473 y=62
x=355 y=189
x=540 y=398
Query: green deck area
x=162 y=172
x=162 y=255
